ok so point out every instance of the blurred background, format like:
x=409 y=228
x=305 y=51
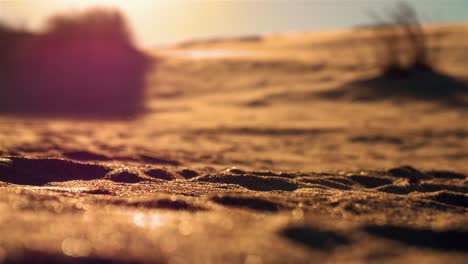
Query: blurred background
x=309 y=101
x=165 y=21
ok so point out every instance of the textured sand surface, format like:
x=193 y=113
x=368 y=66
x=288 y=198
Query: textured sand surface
x=241 y=159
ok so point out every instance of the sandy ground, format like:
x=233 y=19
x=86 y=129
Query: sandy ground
x=239 y=159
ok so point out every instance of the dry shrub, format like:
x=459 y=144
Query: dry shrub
x=406 y=63
x=402 y=44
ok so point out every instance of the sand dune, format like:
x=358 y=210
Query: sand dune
x=264 y=154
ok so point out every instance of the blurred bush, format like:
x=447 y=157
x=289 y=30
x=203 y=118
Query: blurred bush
x=405 y=62
x=402 y=45
x=84 y=64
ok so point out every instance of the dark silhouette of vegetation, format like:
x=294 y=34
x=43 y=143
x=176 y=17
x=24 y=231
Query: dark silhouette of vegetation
x=406 y=62
x=403 y=46
x=83 y=65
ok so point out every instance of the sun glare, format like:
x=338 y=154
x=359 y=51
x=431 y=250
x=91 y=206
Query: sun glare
x=123 y=4
x=142 y=15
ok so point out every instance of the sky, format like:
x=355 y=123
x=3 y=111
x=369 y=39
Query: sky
x=162 y=21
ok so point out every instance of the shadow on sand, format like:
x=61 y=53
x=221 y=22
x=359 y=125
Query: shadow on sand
x=421 y=83
x=84 y=66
